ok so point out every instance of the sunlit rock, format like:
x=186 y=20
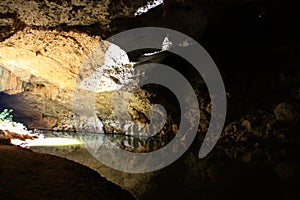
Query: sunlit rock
x=40 y=71
x=71 y=12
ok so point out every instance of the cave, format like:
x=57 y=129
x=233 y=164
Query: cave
x=149 y=99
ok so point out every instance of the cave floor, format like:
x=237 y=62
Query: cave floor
x=28 y=175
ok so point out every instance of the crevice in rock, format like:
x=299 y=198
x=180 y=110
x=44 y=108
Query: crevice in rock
x=10 y=24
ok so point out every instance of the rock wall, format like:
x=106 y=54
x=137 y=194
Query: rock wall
x=45 y=64
x=9 y=82
x=41 y=53
x=44 y=44
x=40 y=71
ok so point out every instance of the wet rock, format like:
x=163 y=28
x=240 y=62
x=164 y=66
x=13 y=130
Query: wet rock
x=258 y=133
x=281 y=136
x=266 y=136
x=235 y=129
x=208 y=108
x=271 y=125
x=4 y=140
x=244 y=139
x=13 y=135
x=246 y=124
x=286 y=112
x=246 y=157
x=174 y=128
x=228 y=129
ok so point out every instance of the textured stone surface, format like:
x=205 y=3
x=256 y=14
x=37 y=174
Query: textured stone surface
x=286 y=112
x=41 y=56
x=9 y=82
x=51 y=13
x=41 y=70
x=44 y=44
x=87 y=15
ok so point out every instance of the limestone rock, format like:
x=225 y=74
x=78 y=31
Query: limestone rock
x=46 y=50
x=71 y=12
x=9 y=83
x=43 y=70
x=42 y=66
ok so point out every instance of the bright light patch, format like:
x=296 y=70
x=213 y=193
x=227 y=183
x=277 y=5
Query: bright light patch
x=116 y=71
x=53 y=142
x=166 y=45
x=150 y=5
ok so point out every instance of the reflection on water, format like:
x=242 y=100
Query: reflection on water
x=226 y=173
x=128 y=143
x=110 y=141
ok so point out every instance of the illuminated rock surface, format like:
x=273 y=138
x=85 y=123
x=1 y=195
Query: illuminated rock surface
x=255 y=44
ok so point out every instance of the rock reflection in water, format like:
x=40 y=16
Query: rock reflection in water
x=96 y=141
x=226 y=173
x=132 y=154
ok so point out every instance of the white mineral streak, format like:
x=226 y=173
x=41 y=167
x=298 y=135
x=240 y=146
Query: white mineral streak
x=150 y=5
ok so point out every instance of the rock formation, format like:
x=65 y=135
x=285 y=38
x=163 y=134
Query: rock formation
x=44 y=44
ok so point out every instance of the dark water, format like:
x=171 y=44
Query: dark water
x=228 y=172
x=232 y=173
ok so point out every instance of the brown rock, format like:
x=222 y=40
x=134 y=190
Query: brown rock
x=286 y=112
x=246 y=124
x=71 y=13
x=13 y=135
x=258 y=133
x=228 y=129
x=44 y=84
x=2 y=132
x=4 y=140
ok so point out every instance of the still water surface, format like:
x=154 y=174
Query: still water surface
x=228 y=172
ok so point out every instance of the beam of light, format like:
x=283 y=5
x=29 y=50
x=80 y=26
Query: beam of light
x=48 y=142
